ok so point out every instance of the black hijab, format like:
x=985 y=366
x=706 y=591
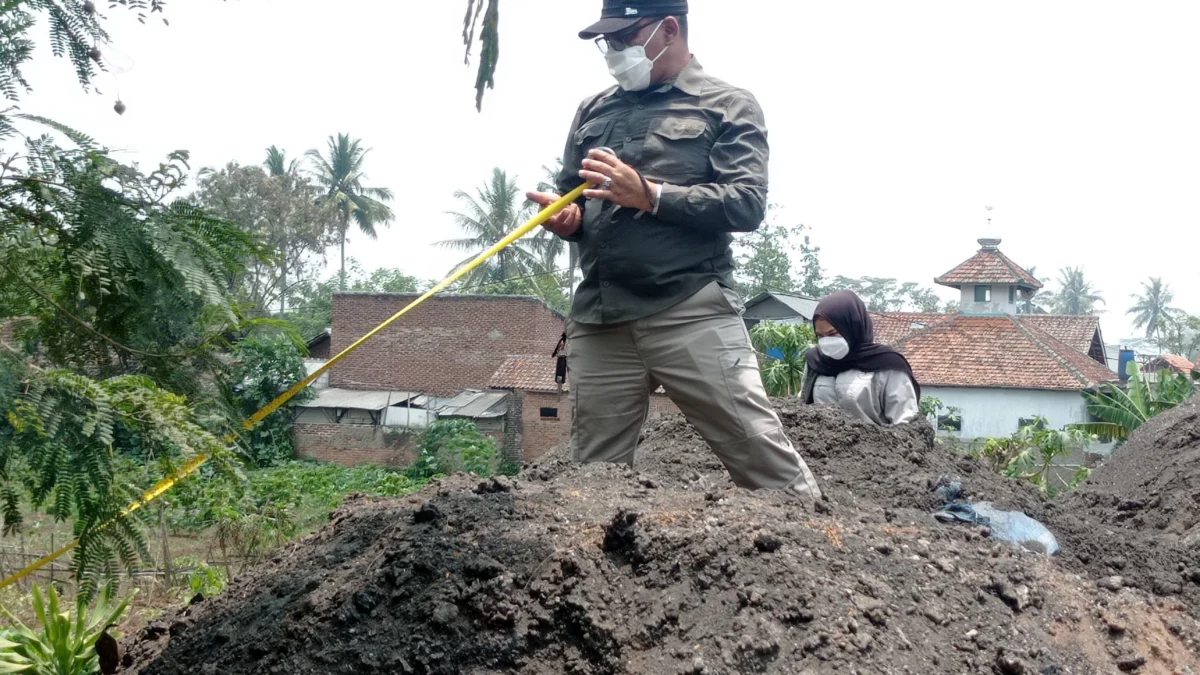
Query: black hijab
x=846 y=311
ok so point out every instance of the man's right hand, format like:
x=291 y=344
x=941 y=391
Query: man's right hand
x=564 y=223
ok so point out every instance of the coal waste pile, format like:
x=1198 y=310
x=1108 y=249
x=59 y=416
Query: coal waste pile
x=667 y=568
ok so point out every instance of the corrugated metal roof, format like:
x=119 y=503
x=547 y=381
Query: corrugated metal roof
x=802 y=305
x=358 y=400
x=476 y=405
x=805 y=307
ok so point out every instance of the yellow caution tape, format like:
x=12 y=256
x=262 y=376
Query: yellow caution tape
x=189 y=467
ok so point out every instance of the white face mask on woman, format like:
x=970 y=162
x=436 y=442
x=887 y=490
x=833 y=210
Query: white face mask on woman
x=834 y=346
x=630 y=66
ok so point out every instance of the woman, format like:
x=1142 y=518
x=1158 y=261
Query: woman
x=871 y=382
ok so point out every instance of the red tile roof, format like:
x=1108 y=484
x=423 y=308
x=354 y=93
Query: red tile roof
x=529 y=373
x=1077 y=330
x=998 y=351
x=891 y=327
x=1176 y=362
x=988 y=266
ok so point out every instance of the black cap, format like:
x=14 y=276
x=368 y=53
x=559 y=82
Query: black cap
x=619 y=15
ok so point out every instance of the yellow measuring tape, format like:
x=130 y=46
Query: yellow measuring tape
x=189 y=467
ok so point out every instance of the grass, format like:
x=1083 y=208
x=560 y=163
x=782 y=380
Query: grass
x=284 y=502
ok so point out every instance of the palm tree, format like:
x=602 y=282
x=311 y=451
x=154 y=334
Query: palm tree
x=277 y=163
x=1041 y=300
x=340 y=177
x=1076 y=295
x=496 y=209
x=1152 y=307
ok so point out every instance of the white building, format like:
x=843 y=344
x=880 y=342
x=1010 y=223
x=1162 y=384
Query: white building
x=998 y=368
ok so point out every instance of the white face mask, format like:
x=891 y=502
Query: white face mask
x=630 y=66
x=835 y=347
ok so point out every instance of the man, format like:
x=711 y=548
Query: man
x=679 y=161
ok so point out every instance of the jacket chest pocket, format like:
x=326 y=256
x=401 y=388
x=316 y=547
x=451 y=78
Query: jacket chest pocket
x=677 y=150
x=594 y=134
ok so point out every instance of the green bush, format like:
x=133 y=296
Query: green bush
x=266 y=367
x=1029 y=453
x=782 y=349
x=303 y=483
x=448 y=446
x=201 y=577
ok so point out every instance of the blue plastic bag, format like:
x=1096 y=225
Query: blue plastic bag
x=1010 y=526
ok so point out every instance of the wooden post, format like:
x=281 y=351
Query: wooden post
x=166 y=546
x=51 y=565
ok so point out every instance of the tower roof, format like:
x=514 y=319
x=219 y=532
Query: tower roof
x=989 y=266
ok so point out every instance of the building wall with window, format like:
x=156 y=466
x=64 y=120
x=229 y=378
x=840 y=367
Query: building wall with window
x=990 y=299
x=989 y=412
x=546 y=419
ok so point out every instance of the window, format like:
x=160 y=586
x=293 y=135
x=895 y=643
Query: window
x=1012 y=295
x=951 y=422
x=983 y=294
x=549 y=413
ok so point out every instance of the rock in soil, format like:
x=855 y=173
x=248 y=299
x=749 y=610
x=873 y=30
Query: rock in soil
x=587 y=570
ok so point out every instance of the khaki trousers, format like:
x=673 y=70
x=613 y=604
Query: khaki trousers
x=700 y=352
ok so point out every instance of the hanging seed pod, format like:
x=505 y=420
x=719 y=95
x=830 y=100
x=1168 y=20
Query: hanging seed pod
x=119 y=107
x=89 y=7
x=94 y=53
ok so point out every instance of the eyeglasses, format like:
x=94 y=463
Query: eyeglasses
x=620 y=41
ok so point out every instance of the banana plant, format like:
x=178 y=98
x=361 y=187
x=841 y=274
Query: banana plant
x=1123 y=409
x=65 y=645
x=782 y=348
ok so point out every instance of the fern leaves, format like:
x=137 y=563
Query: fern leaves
x=58 y=449
x=122 y=298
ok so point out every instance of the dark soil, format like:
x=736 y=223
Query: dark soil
x=1153 y=483
x=669 y=569
x=1138 y=516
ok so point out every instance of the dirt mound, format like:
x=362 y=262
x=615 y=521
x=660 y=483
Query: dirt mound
x=669 y=569
x=1138 y=516
x=1153 y=481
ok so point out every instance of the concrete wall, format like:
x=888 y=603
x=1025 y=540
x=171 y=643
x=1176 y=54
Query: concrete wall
x=997 y=412
x=310 y=366
x=998 y=305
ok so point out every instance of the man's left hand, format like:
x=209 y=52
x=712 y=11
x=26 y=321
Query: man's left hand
x=626 y=188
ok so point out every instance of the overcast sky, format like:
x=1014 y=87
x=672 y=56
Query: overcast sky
x=892 y=124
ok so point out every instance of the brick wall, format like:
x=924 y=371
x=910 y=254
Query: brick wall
x=510 y=450
x=318 y=348
x=352 y=444
x=540 y=434
x=446 y=344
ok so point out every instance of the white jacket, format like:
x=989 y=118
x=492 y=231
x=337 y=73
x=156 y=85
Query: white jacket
x=885 y=397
